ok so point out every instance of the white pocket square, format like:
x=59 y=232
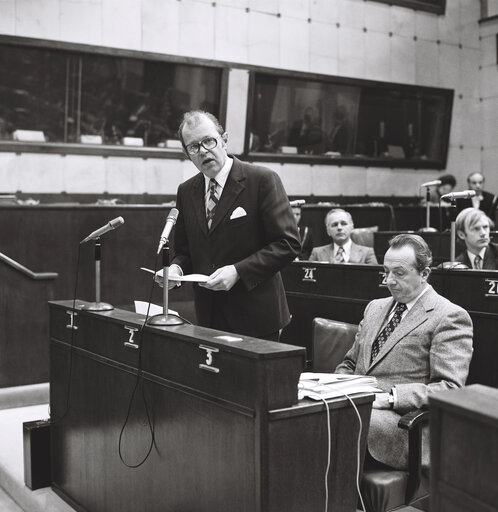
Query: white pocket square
x=238 y=212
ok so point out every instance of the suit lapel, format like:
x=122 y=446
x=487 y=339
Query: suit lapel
x=233 y=187
x=415 y=317
x=354 y=254
x=380 y=312
x=198 y=203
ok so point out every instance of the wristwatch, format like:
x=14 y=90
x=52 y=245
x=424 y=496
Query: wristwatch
x=390 y=399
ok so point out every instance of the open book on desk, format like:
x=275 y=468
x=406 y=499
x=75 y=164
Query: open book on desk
x=333 y=385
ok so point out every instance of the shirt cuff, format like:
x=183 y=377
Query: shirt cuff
x=179 y=271
x=395 y=395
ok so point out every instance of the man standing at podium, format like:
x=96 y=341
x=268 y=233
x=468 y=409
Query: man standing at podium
x=415 y=343
x=236 y=226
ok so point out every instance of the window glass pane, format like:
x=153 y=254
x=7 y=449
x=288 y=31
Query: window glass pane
x=69 y=94
x=299 y=116
x=32 y=91
x=304 y=117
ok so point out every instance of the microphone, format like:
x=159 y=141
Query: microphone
x=113 y=224
x=297 y=202
x=434 y=183
x=170 y=222
x=464 y=194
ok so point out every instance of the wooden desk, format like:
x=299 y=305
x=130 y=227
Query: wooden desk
x=464 y=450
x=341 y=292
x=386 y=217
x=46 y=238
x=234 y=440
x=23 y=323
x=438 y=242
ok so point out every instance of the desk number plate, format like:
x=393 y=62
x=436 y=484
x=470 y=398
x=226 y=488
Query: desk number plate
x=208 y=364
x=382 y=280
x=309 y=276
x=491 y=288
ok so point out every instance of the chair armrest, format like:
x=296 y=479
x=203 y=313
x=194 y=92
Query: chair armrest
x=413 y=421
x=413 y=418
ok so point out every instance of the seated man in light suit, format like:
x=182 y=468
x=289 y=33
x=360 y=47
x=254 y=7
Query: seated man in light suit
x=339 y=224
x=472 y=226
x=415 y=343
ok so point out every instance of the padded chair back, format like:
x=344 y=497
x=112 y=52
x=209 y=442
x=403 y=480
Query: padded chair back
x=331 y=340
x=364 y=236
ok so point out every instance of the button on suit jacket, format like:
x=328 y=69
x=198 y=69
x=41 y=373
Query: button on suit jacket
x=429 y=351
x=259 y=244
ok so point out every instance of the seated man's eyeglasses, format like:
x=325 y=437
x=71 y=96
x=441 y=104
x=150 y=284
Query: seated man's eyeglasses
x=207 y=143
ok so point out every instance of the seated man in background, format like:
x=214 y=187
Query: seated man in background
x=339 y=224
x=473 y=226
x=448 y=183
x=415 y=343
x=305 y=233
x=483 y=200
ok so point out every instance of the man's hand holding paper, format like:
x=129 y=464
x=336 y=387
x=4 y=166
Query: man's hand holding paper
x=222 y=279
x=174 y=271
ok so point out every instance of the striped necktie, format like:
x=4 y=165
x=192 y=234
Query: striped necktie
x=212 y=201
x=478 y=262
x=387 y=331
x=339 y=257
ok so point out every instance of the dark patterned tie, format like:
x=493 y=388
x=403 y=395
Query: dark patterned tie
x=478 y=262
x=212 y=201
x=339 y=257
x=387 y=331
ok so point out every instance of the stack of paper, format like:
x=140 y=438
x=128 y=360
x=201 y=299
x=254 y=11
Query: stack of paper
x=332 y=385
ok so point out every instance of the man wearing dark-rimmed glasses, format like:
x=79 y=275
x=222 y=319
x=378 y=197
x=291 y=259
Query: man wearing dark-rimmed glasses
x=236 y=226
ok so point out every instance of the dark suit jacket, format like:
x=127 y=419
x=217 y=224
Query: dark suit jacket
x=259 y=244
x=306 y=237
x=490 y=261
x=429 y=351
x=487 y=205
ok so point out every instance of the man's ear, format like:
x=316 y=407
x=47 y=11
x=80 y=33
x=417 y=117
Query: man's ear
x=461 y=235
x=224 y=137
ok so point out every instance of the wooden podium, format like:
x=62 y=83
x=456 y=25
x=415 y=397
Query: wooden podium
x=230 y=433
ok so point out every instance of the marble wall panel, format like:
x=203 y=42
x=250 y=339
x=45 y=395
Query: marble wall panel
x=231 y=34
x=161 y=26
x=38 y=19
x=8 y=17
x=85 y=174
x=403 y=60
x=294 y=44
x=264 y=40
x=197 y=29
x=81 y=21
x=122 y=24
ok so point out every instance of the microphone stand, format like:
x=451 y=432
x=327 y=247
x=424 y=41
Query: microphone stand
x=427 y=208
x=166 y=318
x=97 y=305
x=427 y=213
x=453 y=214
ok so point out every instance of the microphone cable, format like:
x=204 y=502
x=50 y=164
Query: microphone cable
x=137 y=382
x=71 y=347
x=329 y=447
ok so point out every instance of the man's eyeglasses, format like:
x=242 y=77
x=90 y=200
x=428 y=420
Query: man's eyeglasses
x=207 y=143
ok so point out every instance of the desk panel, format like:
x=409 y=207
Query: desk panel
x=233 y=439
x=341 y=292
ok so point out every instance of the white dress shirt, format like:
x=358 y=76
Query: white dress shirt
x=347 y=250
